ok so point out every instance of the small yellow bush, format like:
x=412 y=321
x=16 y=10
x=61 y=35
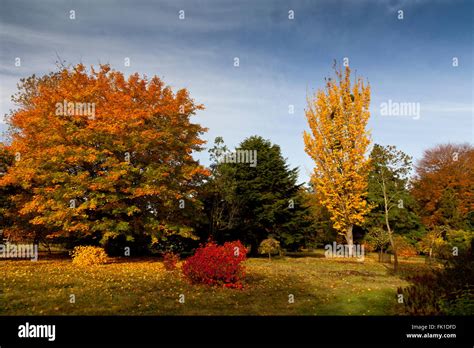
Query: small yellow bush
x=88 y=256
x=270 y=247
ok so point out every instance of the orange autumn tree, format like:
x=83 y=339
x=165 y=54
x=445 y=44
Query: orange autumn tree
x=98 y=153
x=338 y=144
x=444 y=186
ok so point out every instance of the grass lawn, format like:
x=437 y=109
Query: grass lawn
x=142 y=287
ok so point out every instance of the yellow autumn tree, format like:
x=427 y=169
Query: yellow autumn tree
x=338 y=143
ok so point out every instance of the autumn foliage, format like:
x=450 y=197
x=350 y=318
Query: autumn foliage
x=88 y=256
x=338 y=142
x=214 y=264
x=170 y=260
x=444 y=185
x=96 y=152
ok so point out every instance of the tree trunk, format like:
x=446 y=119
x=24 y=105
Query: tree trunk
x=389 y=230
x=395 y=256
x=392 y=243
x=350 y=239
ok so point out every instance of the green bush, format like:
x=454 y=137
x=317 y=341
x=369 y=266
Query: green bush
x=461 y=304
x=459 y=239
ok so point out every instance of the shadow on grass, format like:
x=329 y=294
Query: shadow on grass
x=300 y=254
x=54 y=255
x=408 y=269
x=353 y=273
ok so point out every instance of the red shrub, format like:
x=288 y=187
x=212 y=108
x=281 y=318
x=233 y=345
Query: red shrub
x=170 y=260
x=217 y=265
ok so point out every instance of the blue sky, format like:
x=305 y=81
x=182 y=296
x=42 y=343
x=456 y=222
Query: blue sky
x=281 y=60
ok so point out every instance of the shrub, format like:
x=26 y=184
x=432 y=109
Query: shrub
x=448 y=291
x=170 y=260
x=432 y=243
x=441 y=241
x=419 y=298
x=377 y=239
x=88 y=256
x=213 y=264
x=462 y=302
x=459 y=239
x=270 y=247
x=404 y=248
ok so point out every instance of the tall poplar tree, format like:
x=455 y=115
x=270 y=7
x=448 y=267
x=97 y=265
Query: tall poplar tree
x=337 y=142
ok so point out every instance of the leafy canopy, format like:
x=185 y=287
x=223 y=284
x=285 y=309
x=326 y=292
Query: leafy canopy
x=122 y=169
